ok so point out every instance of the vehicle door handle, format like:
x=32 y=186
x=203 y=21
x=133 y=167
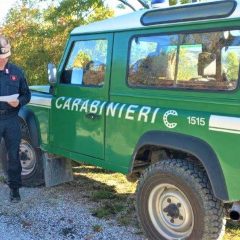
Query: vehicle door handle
x=92 y=116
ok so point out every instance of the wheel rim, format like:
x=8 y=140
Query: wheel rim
x=170 y=212
x=27 y=157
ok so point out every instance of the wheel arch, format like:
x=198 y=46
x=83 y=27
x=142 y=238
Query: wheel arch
x=191 y=145
x=29 y=119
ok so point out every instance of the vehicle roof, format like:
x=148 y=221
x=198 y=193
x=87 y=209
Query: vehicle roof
x=133 y=21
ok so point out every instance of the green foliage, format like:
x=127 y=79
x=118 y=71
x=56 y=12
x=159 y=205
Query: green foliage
x=232 y=65
x=81 y=60
x=188 y=62
x=38 y=35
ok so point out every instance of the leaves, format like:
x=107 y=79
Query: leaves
x=38 y=31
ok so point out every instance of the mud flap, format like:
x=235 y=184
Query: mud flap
x=57 y=170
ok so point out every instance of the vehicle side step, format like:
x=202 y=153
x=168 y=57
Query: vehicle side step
x=57 y=170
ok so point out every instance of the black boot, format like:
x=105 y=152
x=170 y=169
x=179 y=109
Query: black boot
x=14 y=195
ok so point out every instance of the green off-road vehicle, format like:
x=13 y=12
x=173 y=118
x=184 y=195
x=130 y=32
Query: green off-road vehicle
x=154 y=95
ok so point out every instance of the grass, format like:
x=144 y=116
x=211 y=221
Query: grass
x=103 y=194
x=114 y=198
x=108 y=209
x=232 y=231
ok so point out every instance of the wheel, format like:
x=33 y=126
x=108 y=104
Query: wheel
x=175 y=201
x=31 y=161
x=32 y=164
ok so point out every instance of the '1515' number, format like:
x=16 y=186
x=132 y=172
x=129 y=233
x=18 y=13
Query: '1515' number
x=196 y=121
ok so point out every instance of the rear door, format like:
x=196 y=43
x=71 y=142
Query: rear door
x=78 y=107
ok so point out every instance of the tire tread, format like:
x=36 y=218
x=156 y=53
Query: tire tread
x=214 y=208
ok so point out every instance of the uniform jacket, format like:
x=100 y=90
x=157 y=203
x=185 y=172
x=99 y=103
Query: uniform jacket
x=13 y=81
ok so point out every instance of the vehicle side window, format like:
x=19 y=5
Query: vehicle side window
x=151 y=63
x=203 y=61
x=86 y=64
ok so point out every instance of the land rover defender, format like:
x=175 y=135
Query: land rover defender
x=154 y=95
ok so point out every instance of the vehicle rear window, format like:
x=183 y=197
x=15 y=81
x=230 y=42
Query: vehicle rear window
x=203 y=61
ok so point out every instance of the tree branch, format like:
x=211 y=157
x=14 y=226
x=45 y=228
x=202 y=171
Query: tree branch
x=127 y=4
x=144 y=4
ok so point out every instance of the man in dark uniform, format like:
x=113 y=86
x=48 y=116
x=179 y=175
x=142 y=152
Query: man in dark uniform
x=12 y=82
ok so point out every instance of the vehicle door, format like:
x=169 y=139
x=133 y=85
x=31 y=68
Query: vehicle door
x=78 y=107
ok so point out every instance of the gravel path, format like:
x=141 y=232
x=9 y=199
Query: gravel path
x=61 y=212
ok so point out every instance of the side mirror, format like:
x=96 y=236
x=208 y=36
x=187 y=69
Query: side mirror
x=52 y=74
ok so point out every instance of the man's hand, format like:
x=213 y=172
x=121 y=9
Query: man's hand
x=14 y=103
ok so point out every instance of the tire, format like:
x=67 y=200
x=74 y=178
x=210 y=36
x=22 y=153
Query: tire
x=175 y=201
x=31 y=160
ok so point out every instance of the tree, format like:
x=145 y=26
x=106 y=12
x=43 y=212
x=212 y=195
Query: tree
x=38 y=35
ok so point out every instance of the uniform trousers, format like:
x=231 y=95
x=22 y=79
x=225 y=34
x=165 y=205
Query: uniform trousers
x=11 y=133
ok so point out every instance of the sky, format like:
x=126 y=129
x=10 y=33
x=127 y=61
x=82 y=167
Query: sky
x=4 y=7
